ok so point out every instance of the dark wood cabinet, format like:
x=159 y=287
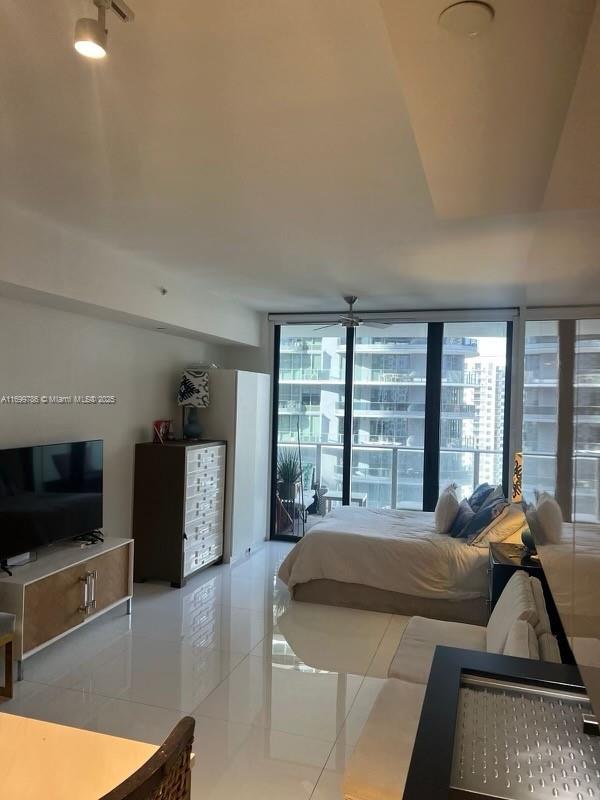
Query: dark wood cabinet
x=178 y=505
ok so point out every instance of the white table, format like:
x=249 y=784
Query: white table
x=56 y=762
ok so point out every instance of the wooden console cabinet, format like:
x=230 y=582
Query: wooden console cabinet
x=68 y=586
x=178 y=506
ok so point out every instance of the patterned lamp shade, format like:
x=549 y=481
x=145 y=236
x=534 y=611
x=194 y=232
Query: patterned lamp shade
x=517 y=481
x=193 y=389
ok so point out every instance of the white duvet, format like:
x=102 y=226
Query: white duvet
x=394 y=550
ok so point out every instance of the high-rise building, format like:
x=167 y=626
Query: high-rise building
x=388 y=411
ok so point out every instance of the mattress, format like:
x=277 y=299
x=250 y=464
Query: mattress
x=397 y=551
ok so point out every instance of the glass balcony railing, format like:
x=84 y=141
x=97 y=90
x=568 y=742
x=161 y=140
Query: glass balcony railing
x=391 y=475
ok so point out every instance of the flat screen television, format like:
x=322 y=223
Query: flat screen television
x=47 y=493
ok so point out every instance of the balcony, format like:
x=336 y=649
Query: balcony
x=309 y=376
x=398 y=472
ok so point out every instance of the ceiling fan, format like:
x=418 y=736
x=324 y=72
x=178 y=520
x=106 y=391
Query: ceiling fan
x=350 y=318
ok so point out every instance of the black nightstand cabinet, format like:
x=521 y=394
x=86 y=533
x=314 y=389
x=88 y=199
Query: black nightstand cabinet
x=506 y=559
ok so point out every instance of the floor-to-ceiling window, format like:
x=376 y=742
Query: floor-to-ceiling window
x=388 y=415
x=472 y=420
x=310 y=417
x=586 y=444
x=561 y=414
x=540 y=407
x=362 y=410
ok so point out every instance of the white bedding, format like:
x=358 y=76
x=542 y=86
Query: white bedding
x=394 y=550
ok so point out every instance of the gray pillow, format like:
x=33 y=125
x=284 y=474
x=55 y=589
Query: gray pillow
x=446 y=510
x=464 y=516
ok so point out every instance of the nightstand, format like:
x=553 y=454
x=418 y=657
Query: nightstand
x=504 y=560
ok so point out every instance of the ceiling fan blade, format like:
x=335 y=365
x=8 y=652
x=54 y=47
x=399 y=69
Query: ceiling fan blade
x=378 y=324
x=324 y=327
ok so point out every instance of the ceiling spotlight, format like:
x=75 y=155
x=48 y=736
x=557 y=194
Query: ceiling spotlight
x=91 y=35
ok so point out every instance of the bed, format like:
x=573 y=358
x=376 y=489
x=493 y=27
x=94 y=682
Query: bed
x=390 y=561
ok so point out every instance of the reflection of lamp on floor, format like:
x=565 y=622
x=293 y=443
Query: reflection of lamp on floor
x=193 y=394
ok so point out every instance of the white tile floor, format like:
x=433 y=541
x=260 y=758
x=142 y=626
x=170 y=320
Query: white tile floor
x=280 y=690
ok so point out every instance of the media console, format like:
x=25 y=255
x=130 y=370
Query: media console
x=67 y=586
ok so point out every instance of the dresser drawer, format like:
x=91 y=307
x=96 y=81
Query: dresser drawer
x=198 y=541
x=200 y=557
x=202 y=487
x=205 y=457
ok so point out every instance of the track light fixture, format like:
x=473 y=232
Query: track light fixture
x=91 y=35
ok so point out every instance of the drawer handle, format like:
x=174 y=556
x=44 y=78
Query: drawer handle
x=89 y=591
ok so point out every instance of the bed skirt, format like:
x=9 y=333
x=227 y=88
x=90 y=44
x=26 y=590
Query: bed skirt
x=355 y=595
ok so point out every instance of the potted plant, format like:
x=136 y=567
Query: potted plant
x=288 y=474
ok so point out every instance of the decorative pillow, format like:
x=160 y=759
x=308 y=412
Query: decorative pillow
x=506 y=525
x=549 y=650
x=549 y=518
x=515 y=602
x=446 y=510
x=479 y=496
x=543 y=624
x=493 y=497
x=465 y=513
x=522 y=641
x=482 y=519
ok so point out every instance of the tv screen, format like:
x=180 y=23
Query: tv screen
x=47 y=493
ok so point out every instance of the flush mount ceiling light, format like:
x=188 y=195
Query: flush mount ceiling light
x=91 y=35
x=467 y=18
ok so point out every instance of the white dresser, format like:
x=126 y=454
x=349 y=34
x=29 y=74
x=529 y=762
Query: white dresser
x=178 y=509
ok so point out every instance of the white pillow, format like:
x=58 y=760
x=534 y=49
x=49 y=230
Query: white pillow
x=549 y=518
x=522 y=641
x=515 y=602
x=543 y=623
x=446 y=509
x=549 y=650
x=510 y=520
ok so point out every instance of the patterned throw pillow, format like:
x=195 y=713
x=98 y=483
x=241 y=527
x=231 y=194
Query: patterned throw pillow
x=465 y=514
x=480 y=495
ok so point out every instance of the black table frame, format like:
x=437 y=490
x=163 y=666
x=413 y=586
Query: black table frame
x=430 y=768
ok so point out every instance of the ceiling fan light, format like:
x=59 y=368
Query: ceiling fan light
x=90 y=38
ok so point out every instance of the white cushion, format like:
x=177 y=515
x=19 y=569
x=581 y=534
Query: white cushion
x=543 y=623
x=510 y=520
x=549 y=518
x=414 y=655
x=515 y=602
x=380 y=760
x=522 y=641
x=549 y=650
x=446 y=510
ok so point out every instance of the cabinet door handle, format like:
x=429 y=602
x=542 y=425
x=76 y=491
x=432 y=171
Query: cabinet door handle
x=86 y=591
x=89 y=591
x=93 y=579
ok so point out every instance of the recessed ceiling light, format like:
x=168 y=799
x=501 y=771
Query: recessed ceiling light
x=91 y=35
x=467 y=18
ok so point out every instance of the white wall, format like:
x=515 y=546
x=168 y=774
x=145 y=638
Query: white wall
x=46 y=351
x=253 y=359
x=58 y=266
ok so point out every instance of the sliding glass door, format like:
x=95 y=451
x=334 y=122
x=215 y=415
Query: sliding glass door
x=310 y=425
x=388 y=415
x=382 y=415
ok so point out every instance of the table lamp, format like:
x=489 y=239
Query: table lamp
x=193 y=394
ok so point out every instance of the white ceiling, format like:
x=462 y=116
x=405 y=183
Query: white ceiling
x=291 y=151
